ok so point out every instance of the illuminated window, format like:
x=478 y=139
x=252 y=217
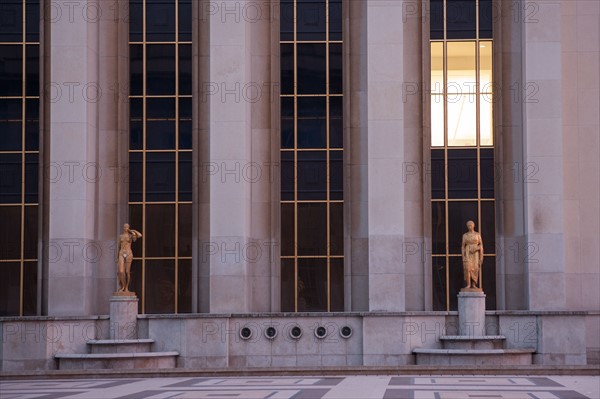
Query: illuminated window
x=160 y=153
x=19 y=156
x=462 y=143
x=312 y=206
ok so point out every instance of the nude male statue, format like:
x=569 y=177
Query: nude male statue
x=126 y=257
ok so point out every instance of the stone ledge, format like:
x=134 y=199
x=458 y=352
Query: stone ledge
x=96 y=356
x=472 y=337
x=472 y=352
x=120 y=341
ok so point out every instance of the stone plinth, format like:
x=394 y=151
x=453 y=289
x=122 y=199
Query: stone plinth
x=123 y=317
x=471 y=313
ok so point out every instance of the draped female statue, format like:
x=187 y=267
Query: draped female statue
x=472 y=256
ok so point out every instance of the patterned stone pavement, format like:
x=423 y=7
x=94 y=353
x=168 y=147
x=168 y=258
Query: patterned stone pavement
x=359 y=387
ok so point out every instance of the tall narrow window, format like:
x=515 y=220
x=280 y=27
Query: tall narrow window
x=19 y=154
x=462 y=143
x=160 y=153
x=312 y=200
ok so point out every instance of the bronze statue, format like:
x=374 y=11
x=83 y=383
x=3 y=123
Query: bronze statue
x=472 y=256
x=126 y=257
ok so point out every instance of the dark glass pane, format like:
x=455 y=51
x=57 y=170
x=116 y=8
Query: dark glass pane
x=459 y=213
x=438 y=228
x=136 y=279
x=30 y=250
x=312 y=69
x=288 y=292
x=488 y=227
x=185 y=20
x=488 y=280
x=160 y=230
x=135 y=221
x=185 y=69
x=160 y=108
x=438 y=180
x=462 y=174
x=311 y=19
x=136 y=21
x=185 y=123
x=312 y=285
x=185 y=230
x=136 y=124
x=11 y=21
x=10 y=232
x=30 y=288
x=336 y=175
x=32 y=20
x=337 y=285
x=184 y=289
x=160 y=134
x=31 y=178
x=438 y=277
x=287 y=20
x=287 y=69
x=160 y=20
x=10 y=280
x=486 y=15
x=10 y=178
x=32 y=124
x=461 y=17
x=160 y=286
x=487 y=173
x=32 y=70
x=312 y=122
x=312 y=175
x=456 y=280
x=335 y=19
x=336 y=229
x=336 y=83
x=185 y=176
x=336 y=122
x=287 y=229
x=11 y=116
x=160 y=176
x=287 y=176
x=287 y=122
x=136 y=70
x=160 y=69
x=436 y=18
x=312 y=229
x=11 y=70
x=135 y=176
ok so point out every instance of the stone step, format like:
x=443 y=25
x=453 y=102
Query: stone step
x=474 y=357
x=473 y=341
x=149 y=360
x=120 y=345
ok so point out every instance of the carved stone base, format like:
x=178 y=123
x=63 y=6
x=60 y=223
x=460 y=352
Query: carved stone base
x=471 y=313
x=121 y=293
x=123 y=316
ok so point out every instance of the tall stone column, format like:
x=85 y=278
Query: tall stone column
x=70 y=143
x=386 y=43
x=82 y=115
x=544 y=249
x=239 y=97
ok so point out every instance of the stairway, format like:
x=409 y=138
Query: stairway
x=117 y=354
x=465 y=350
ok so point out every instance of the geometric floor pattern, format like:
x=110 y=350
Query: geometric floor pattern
x=347 y=387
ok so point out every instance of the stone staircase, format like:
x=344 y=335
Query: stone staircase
x=121 y=351
x=117 y=354
x=465 y=350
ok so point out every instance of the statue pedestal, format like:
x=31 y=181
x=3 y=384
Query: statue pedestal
x=471 y=313
x=123 y=316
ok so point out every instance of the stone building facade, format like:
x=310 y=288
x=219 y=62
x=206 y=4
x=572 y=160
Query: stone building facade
x=280 y=158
